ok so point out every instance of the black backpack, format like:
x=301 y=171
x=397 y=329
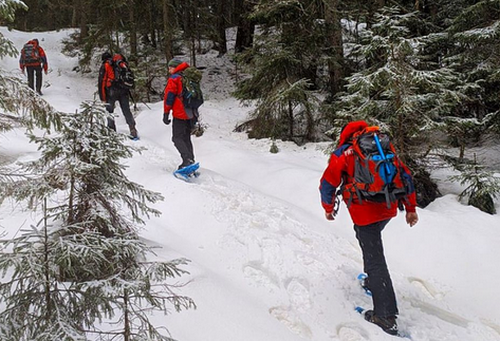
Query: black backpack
x=378 y=172
x=124 y=76
x=100 y=80
x=30 y=54
x=192 y=95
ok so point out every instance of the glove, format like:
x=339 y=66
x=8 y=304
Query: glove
x=329 y=216
x=166 y=120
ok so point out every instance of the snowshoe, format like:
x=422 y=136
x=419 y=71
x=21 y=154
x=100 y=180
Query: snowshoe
x=363 y=281
x=133 y=133
x=387 y=324
x=188 y=172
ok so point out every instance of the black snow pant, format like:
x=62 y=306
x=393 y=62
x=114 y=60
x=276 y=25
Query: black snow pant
x=181 y=137
x=34 y=71
x=122 y=96
x=378 y=281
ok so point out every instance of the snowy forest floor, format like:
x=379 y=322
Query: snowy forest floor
x=266 y=265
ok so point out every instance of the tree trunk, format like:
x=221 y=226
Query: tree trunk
x=462 y=151
x=193 y=51
x=336 y=63
x=189 y=29
x=126 y=319
x=48 y=300
x=221 y=27
x=151 y=26
x=194 y=35
x=71 y=213
x=84 y=30
x=74 y=16
x=167 y=31
x=400 y=133
x=80 y=19
x=246 y=28
x=133 y=31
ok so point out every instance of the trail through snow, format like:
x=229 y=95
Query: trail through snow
x=265 y=264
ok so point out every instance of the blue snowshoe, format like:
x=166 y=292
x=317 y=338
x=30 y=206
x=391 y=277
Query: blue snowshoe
x=362 y=278
x=189 y=172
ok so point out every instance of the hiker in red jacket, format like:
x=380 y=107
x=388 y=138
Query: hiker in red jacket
x=181 y=127
x=369 y=219
x=111 y=91
x=33 y=59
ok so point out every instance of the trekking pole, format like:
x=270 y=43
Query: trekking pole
x=133 y=100
x=381 y=151
x=135 y=104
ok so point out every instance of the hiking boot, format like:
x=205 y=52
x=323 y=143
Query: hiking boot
x=111 y=125
x=133 y=132
x=185 y=164
x=388 y=324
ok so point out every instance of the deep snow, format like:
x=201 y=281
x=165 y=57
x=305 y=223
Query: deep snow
x=266 y=265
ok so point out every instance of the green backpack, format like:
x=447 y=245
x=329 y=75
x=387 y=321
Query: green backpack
x=191 y=90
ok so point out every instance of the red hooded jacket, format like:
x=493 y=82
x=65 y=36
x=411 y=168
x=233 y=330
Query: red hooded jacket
x=107 y=75
x=173 y=94
x=342 y=163
x=41 y=54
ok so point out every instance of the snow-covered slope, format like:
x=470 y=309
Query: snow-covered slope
x=266 y=265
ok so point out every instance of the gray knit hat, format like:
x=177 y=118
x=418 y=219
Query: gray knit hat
x=174 y=63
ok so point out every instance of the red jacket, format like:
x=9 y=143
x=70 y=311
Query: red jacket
x=342 y=163
x=41 y=54
x=173 y=94
x=107 y=75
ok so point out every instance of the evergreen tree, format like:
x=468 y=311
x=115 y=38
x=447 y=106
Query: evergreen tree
x=283 y=70
x=398 y=90
x=8 y=9
x=476 y=40
x=246 y=27
x=470 y=48
x=20 y=106
x=483 y=186
x=462 y=132
x=84 y=264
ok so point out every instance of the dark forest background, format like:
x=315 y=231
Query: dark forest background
x=425 y=71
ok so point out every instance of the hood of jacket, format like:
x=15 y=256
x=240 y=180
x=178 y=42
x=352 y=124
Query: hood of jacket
x=349 y=130
x=181 y=67
x=118 y=57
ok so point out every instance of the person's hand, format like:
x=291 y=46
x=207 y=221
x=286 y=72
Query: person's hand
x=22 y=70
x=45 y=71
x=411 y=218
x=329 y=216
x=166 y=120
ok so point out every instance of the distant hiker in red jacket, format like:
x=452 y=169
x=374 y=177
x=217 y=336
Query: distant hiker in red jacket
x=33 y=59
x=172 y=101
x=369 y=219
x=111 y=90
